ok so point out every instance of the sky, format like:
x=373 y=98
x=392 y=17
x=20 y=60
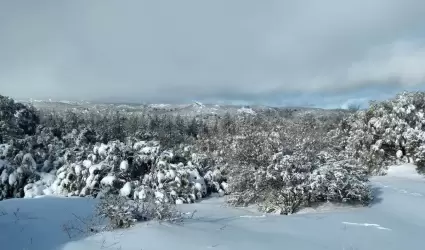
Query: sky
x=325 y=53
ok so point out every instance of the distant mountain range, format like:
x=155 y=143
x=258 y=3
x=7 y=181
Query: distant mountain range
x=193 y=109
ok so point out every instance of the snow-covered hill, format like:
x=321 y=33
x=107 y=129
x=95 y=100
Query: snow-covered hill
x=395 y=220
x=194 y=109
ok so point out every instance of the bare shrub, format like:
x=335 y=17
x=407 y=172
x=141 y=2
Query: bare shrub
x=83 y=226
x=122 y=212
x=2 y=212
x=285 y=201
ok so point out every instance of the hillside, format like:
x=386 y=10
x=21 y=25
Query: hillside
x=194 y=109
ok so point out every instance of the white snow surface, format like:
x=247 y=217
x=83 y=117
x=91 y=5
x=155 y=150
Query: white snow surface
x=159 y=106
x=246 y=111
x=12 y=179
x=108 y=180
x=124 y=165
x=407 y=171
x=394 y=221
x=126 y=189
x=41 y=187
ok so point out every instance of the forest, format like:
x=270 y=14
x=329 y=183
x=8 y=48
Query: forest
x=142 y=163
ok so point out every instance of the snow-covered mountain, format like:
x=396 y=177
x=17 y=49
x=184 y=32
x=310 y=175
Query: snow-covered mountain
x=192 y=109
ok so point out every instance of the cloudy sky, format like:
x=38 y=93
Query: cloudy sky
x=284 y=52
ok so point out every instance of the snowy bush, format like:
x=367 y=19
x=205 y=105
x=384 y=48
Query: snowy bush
x=280 y=187
x=282 y=172
x=293 y=182
x=13 y=179
x=16 y=119
x=121 y=168
x=387 y=133
x=74 y=167
x=340 y=181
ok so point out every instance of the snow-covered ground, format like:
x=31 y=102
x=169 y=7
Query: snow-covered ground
x=394 y=221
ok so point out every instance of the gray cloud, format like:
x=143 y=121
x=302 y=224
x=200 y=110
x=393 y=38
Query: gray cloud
x=173 y=51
